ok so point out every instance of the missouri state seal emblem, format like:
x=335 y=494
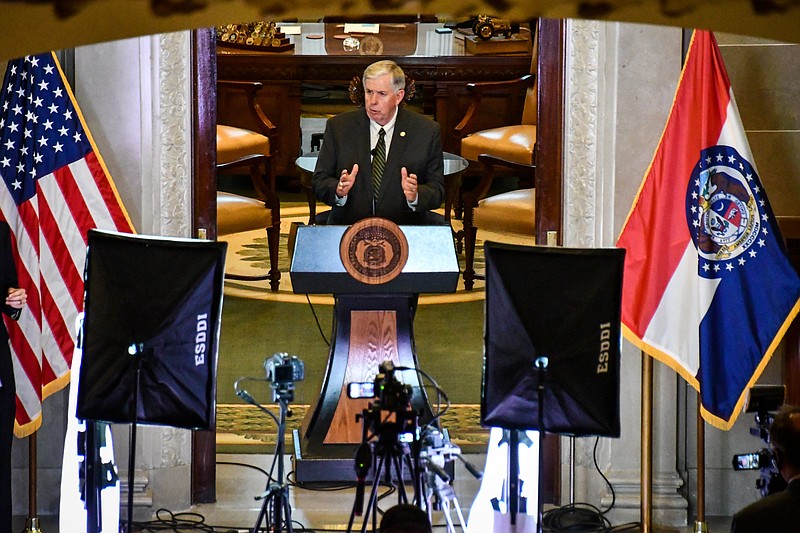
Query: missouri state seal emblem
x=374 y=250
x=725 y=209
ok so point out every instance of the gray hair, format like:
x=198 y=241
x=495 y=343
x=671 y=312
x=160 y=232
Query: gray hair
x=379 y=68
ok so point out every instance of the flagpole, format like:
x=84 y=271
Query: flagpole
x=647 y=444
x=647 y=450
x=32 y=523
x=700 y=524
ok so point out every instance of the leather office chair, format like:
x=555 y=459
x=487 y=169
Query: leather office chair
x=511 y=148
x=237 y=148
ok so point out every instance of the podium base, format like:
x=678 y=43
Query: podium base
x=338 y=465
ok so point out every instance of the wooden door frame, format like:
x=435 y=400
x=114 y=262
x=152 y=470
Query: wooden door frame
x=549 y=189
x=204 y=223
x=549 y=185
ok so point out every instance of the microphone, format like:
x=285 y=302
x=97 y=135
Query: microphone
x=373 y=151
x=363 y=461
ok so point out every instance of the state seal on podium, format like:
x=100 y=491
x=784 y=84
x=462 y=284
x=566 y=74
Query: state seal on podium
x=374 y=250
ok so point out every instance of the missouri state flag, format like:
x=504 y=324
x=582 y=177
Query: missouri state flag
x=708 y=289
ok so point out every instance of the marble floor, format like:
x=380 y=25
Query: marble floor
x=242 y=477
x=318 y=508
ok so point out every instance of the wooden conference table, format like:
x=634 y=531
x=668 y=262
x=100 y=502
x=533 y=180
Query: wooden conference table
x=437 y=62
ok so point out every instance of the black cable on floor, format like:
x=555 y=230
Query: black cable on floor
x=584 y=517
x=166 y=520
x=318 y=486
x=316 y=319
x=246 y=465
x=608 y=483
x=575 y=517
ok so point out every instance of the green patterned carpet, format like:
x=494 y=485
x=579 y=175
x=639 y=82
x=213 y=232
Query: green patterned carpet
x=244 y=428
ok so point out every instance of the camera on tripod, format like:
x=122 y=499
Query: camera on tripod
x=391 y=394
x=436 y=457
x=282 y=370
x=762 y=400
x=389 y=431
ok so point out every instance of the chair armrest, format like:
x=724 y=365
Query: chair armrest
x=479 y=192
x=250 y=88
x=478 y=90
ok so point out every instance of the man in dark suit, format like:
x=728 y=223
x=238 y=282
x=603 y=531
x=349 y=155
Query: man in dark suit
x=15 y=301
x=778 y=512
x=382 y=160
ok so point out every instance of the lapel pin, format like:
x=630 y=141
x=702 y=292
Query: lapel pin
x=402 y=134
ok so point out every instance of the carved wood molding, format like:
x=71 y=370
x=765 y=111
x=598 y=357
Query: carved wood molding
x=295 y=68
x=173 y=81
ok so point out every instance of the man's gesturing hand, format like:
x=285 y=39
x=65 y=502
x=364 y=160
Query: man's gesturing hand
x=409 y=183
x=346 y=181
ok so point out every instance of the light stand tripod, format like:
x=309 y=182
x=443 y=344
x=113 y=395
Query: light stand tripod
x=277 y=493
x=275 y=509
x=541 y=373
x=534 y=306
x=150 y=337
x=515 y=502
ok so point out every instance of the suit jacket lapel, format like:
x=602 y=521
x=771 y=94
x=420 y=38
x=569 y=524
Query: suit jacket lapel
x=362 y=142
x=398 y=143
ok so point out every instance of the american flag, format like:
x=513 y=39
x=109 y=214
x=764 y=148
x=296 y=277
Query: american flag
x=56 y=189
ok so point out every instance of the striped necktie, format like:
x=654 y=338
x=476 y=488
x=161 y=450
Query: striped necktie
x=378 y=163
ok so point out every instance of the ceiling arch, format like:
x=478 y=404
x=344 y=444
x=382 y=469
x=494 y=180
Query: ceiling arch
x=32 y=26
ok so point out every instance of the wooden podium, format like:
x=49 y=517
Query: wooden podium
x=373 y=322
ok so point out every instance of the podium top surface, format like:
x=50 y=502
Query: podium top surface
x=317 y=268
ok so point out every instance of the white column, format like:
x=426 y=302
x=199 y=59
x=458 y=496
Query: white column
x=136 y=97
x=619 y=85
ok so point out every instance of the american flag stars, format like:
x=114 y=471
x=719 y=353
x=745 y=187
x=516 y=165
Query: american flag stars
x=40 y=131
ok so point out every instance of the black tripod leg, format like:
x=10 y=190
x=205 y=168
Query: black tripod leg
x=401 y=487
x=277 y=512
x=286 y=509
x=261 y=514
x=539 y=497
x=513 y=475
x=92 y=476
x=371 y=501
x=372 y=506
x=416 y=479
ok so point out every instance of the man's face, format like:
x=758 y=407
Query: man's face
x=380 y=99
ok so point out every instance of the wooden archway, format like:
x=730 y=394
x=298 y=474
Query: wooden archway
x=549 y=211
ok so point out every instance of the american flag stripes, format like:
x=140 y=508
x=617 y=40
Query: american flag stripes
x=56 y=189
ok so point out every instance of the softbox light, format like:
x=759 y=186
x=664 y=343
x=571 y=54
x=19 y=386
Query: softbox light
x=152 y=305
x=563 y=304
